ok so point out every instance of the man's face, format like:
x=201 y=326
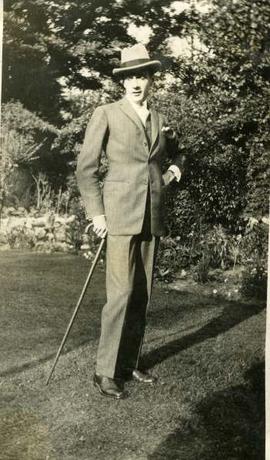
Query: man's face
x=137 y=85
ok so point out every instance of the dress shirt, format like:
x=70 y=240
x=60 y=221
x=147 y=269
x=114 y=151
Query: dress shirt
x=141 y=110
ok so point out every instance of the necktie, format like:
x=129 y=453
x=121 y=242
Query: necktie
x=148 y=130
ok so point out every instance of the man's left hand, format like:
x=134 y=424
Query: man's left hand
x=168 y=177
x=168 y=132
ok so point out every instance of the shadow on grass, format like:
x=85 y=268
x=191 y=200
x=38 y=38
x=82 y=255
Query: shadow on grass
x=226 y=425
x=44 y=359
x=26 y=366
x=232 y=314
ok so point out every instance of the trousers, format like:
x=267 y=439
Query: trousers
x=129 y=278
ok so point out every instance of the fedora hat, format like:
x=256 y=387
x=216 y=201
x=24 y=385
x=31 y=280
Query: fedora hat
x=136 y=57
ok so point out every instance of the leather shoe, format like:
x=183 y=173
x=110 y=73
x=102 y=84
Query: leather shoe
x=142 y=377
x=108 y=387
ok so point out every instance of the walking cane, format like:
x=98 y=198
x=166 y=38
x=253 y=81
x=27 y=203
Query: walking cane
x=78 y=303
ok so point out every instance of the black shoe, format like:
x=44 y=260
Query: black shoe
x=108 y=387
x=143 y=377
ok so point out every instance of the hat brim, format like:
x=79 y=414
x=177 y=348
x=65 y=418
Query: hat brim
x=154 y=65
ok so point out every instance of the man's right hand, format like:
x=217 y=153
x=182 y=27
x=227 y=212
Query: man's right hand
x=100 y=226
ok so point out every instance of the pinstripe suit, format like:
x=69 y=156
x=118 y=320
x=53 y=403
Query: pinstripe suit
x=132 y=201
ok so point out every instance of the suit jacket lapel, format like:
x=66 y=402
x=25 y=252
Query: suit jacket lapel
x=154 y=129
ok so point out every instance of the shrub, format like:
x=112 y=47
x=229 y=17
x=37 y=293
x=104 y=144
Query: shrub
x=254 y=257
x=26 y=140
x=21 y=238
x=201 y=271
x=168 y=260
x=254 y=281
x=218 y=103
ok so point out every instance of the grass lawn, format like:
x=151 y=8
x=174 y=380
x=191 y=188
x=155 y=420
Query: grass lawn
x=208 y=403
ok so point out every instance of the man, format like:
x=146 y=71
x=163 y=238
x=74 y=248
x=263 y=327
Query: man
x=129 y=211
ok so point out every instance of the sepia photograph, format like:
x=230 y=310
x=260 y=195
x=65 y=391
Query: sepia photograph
x=134 y=230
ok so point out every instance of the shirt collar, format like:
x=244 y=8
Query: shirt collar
x=136 y=106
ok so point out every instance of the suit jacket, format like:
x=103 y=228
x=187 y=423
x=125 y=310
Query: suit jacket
x=133 y=170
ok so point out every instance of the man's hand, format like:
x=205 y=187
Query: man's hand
x=168 y=132
x=100 y=226
x=168 y=177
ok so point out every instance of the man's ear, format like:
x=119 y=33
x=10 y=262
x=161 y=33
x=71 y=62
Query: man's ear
x=120 y=82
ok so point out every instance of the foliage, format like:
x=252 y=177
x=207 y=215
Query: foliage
x=30 y=73
x=28 y=132
x=168 y=259
x=58 y=46
x=21 y=237
x=203 y=249
x=210 y=247
x=43 y=191
x=219 y=105
x=258 y=176
x=201 y=272
x=254 y=243
x=255 y=259
x=254 y=282
x=25 y=140
x=220 y=108
x=216 y=182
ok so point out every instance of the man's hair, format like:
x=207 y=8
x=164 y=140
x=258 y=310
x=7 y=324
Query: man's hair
x=136 y=72
x=139 y=72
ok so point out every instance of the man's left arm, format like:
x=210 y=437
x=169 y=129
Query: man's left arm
x=175 y=170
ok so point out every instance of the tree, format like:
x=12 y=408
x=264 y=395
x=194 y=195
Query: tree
x=220 y=108
x=76 y=42
x=29 y=74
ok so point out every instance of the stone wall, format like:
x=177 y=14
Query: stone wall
x=41 y=231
